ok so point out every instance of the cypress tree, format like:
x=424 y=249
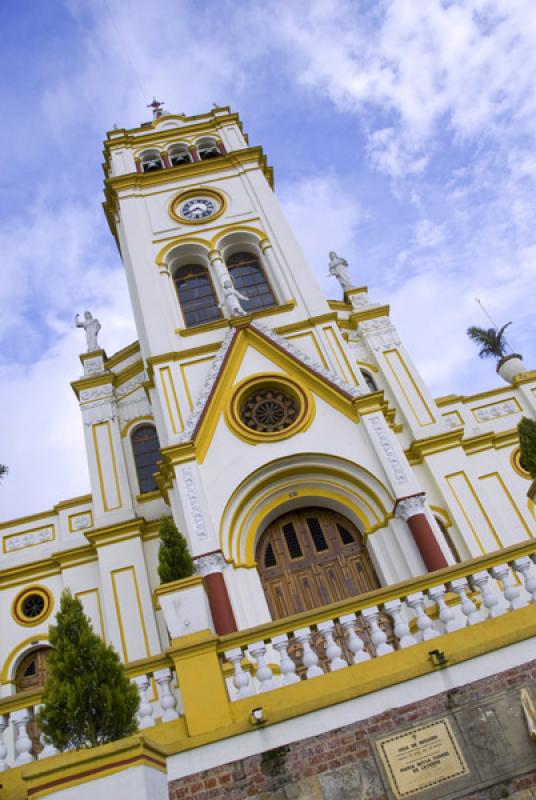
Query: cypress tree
x=527 y=443
x=88 y=699
x=174 y=559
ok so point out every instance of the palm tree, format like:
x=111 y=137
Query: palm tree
x=491 y=341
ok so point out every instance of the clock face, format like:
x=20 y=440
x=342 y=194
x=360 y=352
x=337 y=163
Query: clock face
x=198 y=208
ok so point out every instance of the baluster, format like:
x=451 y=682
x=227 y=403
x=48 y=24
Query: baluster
x=263 y=672
x=23 y=743
x=510 y=590
x=168 y=701
x=354 y=642
x=241 y=677
x=333 y=651
x=447 y=616
x=489 y=596
x=424 y=623
x=402 y=632
x=525 y=567
x=309 y=658
x=378 y=637
x=469 y=609
x=145 y=710
x=286 y=664
x=4 y=722
x=48 y=747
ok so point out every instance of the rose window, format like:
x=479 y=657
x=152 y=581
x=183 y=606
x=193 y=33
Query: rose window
x=269 y=410
x=33 y=606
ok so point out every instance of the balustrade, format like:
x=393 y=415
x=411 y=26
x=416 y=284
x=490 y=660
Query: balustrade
x=308 y=652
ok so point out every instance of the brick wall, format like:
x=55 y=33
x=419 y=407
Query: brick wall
x=342 y=764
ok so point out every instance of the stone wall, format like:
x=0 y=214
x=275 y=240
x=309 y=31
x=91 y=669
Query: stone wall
x=487 y=721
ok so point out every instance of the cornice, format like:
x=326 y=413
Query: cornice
x=367 y=313
x=306 y=324
x=116 y=533
x=139 y=135
x=420 y=448
x=90 y=381
x=225 y=323
x=121 y=355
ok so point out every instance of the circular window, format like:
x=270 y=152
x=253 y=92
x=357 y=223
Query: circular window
x=268 y=410
x=32 y=606
x=517 y=464
x=269 y=407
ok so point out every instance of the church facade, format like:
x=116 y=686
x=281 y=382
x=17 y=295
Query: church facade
x=359 y=545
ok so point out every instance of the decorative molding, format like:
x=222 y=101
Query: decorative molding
x=209 y=563
x=410 y=506
x=77 y=522
x=383 y=437
x=305 y=359
x=96 y=393
x=206 y=389
x=136 y=406
x=130 y=385
x=504 y=409
x=98 y=411
x=19 y=541
x=94 y=365
x=379 y=334
x=193 y=500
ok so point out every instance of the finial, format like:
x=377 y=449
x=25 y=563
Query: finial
x=157 y=107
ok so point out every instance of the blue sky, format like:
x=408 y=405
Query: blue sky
x=401 y=133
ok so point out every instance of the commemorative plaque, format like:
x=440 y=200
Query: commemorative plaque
x=421 y=758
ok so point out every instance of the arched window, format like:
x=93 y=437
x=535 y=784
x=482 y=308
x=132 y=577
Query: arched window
x=248 y=277
x=369 y=380
x=207 y=148
x=179 y=154
x=196 y=295
x=146 y=449
x=151 y=161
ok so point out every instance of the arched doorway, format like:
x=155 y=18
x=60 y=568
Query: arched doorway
x=311 y=557
x=31 y=675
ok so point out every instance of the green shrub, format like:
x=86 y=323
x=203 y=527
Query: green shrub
x=174 y=559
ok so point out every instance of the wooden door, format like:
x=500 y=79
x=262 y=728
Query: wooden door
x=31 y=674
x=310 y=558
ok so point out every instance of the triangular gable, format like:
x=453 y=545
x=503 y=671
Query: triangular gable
x=284 y=354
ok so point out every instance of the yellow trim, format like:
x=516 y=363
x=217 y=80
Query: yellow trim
x=224 y=322
x=122 y=355
x=34 y=639
x=163 y=372
x=433 y=444
x=133 y=422
x=508 y=494
x=310 y=334
x=305 y=324
x=515 y=461
x=479 y=504
x=78 y=595
x=396 y=353
x=368 y=366
x=443 y=515
x=23 y=533
x=453 y=413
x=148 y=496
x=183 y=366
x=80 y=514
x=493 y=403
x=99 y=466
x=113 y=573
x=16 y=607
x=263 y=380
x=176 y=242
x=182 y=197
x=236 y=227
x=334 y=345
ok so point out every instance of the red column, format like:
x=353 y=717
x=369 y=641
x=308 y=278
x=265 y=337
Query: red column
x=165 y=159
x=221 y=147
x=193 y=152
x=210 y=567
x=411 y=509
x=139 y=168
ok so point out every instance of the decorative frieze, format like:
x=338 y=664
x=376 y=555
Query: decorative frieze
x=504 y=409
x=384 y=439
x=192 y=495
x=18 y=541
x=79 y=522
x=379 y=334
x=130 y=385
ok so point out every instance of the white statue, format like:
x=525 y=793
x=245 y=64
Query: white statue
x=232 y=298
x=91 y=327
x=338 y=267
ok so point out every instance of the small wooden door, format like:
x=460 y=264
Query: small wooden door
x=312 y=557
x=31 y=674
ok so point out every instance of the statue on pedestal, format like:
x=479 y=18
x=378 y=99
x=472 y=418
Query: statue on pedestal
x=232 y=298
x=91 y=326
x=338 y=268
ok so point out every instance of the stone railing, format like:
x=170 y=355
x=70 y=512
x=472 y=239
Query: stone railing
x=373 y=625
x=21 y=741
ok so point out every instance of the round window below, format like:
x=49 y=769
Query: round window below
x=268 y=410
x=265 y=408
x=32 y=606
x=517 y=464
